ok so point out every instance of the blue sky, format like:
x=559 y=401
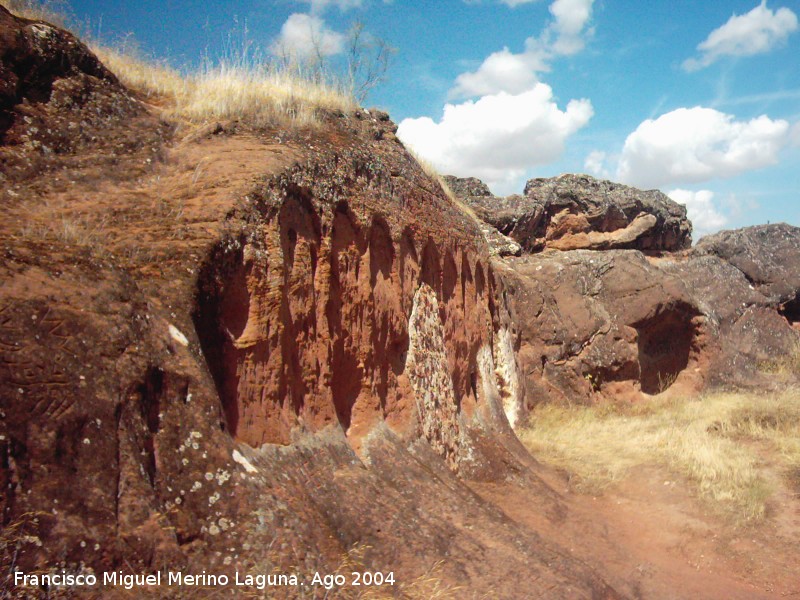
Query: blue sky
x=698 y=99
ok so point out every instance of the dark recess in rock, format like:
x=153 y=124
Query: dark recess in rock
x=664 y=348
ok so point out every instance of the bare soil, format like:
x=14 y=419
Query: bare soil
x=651 y=537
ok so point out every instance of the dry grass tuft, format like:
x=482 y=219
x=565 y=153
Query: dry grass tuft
x=248 y=85
x=430 y=171
x=715 y=441
x=151 y=79
x=785 y=367
x=56 y=12
x=260 y=92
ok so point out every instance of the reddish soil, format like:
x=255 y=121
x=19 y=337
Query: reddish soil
x=652 y=538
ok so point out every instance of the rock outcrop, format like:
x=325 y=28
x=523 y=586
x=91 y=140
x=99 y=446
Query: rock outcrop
x=604 y=326
x=573 y=212
x=767 y=255
x=256 y=350
x=621 y=326
x=626 y=324
x=283 y=350
x=57 y=103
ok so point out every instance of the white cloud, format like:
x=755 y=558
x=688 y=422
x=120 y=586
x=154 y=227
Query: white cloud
x=498 y=137
x=305 y=35
x=505 y=71
x=571 y=16
x=756 y=32
x=595 y=164
x=701 y=209
x=698 y=144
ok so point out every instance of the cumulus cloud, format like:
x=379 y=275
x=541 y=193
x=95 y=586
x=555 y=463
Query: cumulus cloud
x=701 y=209
x=505 y=71
x=570 y=19
x=497 y=137
x=303 y=36
x=698 y=144
x=756 y=32
x=595 y=164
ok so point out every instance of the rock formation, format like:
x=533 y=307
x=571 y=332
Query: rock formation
x=573 y=212
x=249 y=349
x=625 y=324
x=269 y=349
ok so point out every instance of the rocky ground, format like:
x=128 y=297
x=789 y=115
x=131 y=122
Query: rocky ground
x=258 y=350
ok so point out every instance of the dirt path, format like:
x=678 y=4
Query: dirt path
x=650 y=538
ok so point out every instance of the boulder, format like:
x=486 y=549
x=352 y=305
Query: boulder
x=767 y=255
x=573 y=212
x=608 y=325
x=621 y=325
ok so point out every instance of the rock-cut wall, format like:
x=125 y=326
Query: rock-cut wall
x=364 y=301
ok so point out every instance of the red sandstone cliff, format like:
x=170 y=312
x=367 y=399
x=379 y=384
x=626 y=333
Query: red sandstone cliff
x=247 y=348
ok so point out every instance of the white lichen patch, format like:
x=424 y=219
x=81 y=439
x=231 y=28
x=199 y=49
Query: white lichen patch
x=176 y=335
x=197 y=485
x=507 y=375
x=240 y=459
x=428 y=369
x=40 y=30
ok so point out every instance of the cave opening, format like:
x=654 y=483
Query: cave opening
x=220 y=315
x=791 y=310
x=664 y=347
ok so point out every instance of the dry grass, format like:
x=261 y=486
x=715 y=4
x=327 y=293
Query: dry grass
x=716 y=441
x=430 y=171
x=247 y=84
x=53 y=11
x=256 y=90
x=262 y=93
x=786 y=366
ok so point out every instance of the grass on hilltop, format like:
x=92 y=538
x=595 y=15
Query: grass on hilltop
x=246 y=84
x=722 y=442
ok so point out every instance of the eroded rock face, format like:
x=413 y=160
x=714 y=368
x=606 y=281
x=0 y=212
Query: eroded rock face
x=605 y=325
x=619 y=325
x=748 y=281
x=298 y=354
x=572 y=212
x=341 y=307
